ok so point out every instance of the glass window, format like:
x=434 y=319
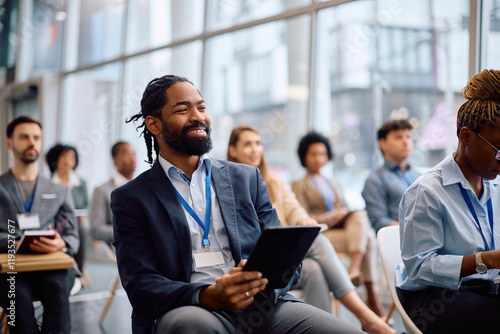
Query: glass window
x=96 y=31
x=258 y=76
x=490 y=34
x=226 y=13
x=184 y=60
x=91 y=119
x=47 y=35
x=152 y=24
x=388 y=59
x=9 y=11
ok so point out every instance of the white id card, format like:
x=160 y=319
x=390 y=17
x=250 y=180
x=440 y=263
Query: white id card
x=26 y=221
x=208 y=259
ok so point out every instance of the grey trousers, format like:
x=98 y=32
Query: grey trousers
x=260 y=317
x=322 y=272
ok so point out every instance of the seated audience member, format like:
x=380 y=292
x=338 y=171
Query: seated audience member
x=62 y=161
x=322 y=270
x=450 y=225
x=386 y=185
x=101 y=217
x=31 y=201
x=183 y=229
x=349 y=231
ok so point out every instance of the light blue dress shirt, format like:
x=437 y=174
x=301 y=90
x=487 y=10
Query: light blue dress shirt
x=383 y=191
x=437 y=229
x=193 y=191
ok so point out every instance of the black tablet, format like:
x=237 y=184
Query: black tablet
x=279 y=252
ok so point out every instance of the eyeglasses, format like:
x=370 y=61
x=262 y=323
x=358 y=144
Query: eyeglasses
x=497 y=155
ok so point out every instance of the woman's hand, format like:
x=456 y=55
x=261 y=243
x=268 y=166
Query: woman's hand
x=307 y=221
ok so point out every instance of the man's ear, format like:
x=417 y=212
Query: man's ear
x=8 y=143
x=465 y=135
x=153 y=124
x=381 y=143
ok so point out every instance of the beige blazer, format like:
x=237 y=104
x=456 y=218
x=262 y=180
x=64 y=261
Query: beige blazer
x=312 y=200
x=286 y=204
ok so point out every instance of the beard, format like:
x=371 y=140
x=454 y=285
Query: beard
x=183 y=143
x=26 y=157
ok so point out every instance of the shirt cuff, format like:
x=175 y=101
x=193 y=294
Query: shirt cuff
x=196 y=296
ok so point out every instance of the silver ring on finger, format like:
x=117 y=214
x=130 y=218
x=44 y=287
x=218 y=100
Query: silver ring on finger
x=247 y=294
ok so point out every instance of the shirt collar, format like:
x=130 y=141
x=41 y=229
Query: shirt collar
x=453 y=174
x=118 y=179
x=394 y=166
x=174 y=172
x=74 y=180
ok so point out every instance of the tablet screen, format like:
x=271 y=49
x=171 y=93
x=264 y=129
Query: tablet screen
x=279 y=252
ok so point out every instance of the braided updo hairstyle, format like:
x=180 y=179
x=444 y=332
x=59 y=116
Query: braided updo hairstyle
x=483 y=101
x=153 y=100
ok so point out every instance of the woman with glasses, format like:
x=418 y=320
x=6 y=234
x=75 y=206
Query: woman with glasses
x=450 y=225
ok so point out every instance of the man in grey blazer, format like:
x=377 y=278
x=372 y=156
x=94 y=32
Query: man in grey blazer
x=31 y=201
x=100 y=216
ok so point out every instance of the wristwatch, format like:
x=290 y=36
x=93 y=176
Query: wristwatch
x=480 y=266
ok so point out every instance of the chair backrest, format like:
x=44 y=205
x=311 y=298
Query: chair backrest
x=390 y=256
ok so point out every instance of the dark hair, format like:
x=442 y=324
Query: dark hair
x=116 y=147
x=55 y=152
x=20 y=120
x=394 y=125
x=483 y=101
x=153 y=100
x=308 y=140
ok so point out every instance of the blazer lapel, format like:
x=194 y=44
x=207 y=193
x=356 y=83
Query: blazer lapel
x=41 y=185
x=225 y=196
x=165 y=192
x=10 y=184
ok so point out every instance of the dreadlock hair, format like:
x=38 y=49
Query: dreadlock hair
x=483 y=101
x=153 y=100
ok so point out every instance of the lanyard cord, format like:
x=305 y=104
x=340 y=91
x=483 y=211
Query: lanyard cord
x=473 y=212
x=208 y=203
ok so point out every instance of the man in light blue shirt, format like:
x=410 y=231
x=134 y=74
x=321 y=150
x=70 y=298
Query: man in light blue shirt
x=385 y=186
x=450 y=225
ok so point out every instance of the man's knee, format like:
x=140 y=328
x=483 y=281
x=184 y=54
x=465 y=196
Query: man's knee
x=58 y=281
x=189 y=319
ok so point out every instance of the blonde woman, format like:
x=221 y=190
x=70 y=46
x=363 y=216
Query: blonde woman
x=322 y=270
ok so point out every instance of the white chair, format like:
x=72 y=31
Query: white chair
x=390 y=255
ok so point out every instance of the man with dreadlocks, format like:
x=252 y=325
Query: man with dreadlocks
x=450 y=225
x=183 y=229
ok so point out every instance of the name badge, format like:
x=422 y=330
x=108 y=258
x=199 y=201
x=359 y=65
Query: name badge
x=208 y=259
x=27 y=221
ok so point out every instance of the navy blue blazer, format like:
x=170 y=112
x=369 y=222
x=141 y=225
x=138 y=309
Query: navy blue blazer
x=153 y=242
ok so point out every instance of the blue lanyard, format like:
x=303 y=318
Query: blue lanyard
x=327 y=195
x=27 y=206
x=399 y=172
x=490 y=216
x=208 y=202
